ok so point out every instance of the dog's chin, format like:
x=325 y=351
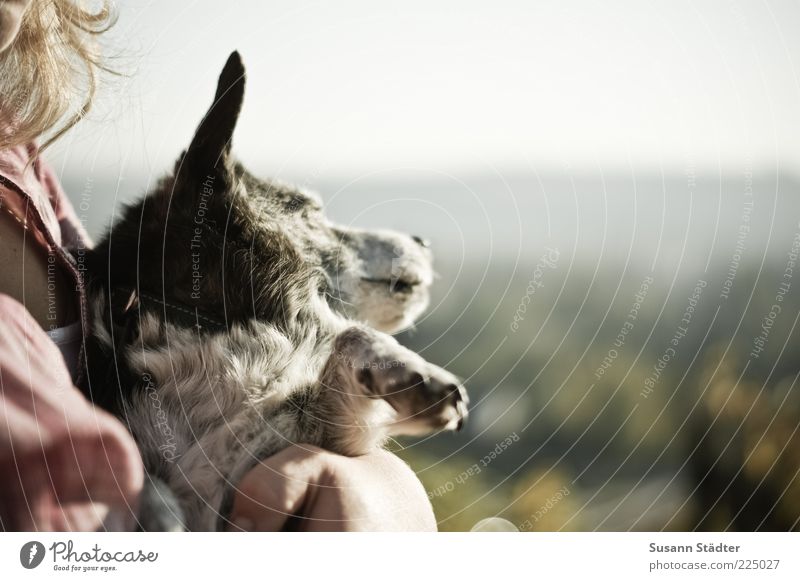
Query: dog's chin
x=394 y=325
x=393 y=316
x=381 y=307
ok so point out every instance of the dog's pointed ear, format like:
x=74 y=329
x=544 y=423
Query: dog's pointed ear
x=212 y=140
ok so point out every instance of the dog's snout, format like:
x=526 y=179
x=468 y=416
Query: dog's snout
x=421 y=241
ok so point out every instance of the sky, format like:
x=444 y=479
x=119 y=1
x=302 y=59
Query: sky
x=359 y=88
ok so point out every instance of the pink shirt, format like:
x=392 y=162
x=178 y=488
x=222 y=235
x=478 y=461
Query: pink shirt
x=65 y=464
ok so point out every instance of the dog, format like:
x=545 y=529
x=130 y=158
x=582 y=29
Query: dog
x=235 y=320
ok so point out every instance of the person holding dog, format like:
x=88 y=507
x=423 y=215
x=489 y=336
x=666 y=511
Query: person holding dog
x=68 y=465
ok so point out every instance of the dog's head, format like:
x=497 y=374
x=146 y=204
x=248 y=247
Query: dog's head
x=215 y=237
x=380 y=277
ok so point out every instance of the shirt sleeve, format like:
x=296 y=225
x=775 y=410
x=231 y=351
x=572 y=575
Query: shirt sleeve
x=65 y=464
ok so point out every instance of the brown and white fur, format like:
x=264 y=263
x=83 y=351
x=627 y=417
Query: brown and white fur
x=232 y=319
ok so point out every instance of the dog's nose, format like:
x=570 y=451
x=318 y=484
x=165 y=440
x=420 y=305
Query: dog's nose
x=421 y=241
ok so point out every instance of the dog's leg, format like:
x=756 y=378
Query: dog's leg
x=372 y=388
x=159 y=509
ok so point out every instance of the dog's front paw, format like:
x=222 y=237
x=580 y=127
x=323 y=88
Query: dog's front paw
x=425 y=397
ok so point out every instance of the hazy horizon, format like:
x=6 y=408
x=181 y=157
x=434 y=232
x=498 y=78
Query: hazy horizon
x=362 y=86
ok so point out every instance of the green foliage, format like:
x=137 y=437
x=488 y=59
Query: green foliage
x=709 y=441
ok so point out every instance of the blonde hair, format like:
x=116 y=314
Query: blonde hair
x=48 y=75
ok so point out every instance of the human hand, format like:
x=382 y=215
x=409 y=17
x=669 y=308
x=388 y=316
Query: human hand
x=65 y=464
x=309 y=489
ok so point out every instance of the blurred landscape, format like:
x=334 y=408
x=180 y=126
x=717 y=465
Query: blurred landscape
x=628 y=340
